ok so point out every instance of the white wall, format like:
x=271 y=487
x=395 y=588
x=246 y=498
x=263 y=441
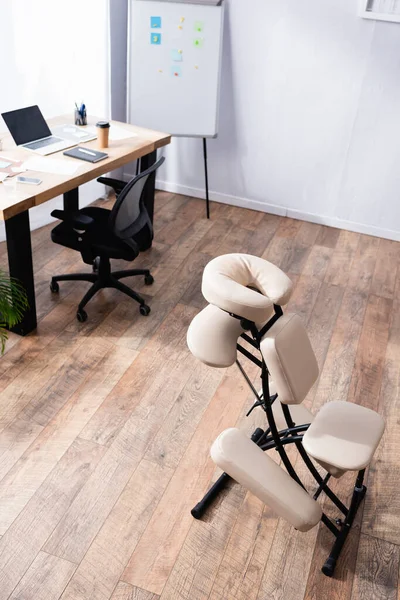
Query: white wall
x=310 y=116
x=53 y=54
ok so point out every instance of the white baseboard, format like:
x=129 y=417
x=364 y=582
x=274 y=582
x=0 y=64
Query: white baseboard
x=177 y=188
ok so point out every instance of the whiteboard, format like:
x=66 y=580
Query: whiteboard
x=174 y=64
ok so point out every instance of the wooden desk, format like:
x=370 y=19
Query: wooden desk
x=14 y=209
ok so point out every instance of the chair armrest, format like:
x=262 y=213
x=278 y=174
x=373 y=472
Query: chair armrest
x=76 y=220
x=116 y=184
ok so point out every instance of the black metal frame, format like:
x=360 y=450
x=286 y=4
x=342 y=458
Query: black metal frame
x=277 y=440
x=206 y=177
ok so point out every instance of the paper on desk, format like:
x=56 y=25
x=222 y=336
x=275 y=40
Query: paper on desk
x=116 y=133
x=50 y=165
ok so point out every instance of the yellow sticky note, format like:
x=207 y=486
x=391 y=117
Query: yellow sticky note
x=180 y=51
x=180 y=27
x=182 y=19
x=160 y=70
x=196 y=66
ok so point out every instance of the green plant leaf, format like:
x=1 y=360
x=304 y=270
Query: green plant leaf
x=13 y=304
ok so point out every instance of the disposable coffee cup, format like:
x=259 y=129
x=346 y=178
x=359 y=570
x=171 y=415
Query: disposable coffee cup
x=103 y=129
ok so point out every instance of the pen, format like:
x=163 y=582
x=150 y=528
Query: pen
x=86 y=152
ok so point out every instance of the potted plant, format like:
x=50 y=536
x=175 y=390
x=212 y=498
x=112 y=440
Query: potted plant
x=13 y=303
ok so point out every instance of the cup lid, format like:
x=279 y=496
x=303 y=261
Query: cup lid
x=103 y=124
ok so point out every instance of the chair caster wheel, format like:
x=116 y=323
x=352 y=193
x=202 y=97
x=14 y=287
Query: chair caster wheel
x=144 y=310
x=96 y=264
x=54 y=287
x=81 y=315
x=148 y=279
x=329 y=567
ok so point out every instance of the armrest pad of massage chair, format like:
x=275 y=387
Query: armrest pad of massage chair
x=247 y=464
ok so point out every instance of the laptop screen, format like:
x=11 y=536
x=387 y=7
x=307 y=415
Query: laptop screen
x=26 y=125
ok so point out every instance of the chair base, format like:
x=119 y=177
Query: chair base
x=101 y=278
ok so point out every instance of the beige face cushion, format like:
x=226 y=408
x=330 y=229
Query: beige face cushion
x=290 y=359
x=212 y=337
x=247 y=464
x=225 y=281
x=344 y=437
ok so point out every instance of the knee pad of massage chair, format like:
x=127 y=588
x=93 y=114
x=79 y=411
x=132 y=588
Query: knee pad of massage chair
x=247 y=464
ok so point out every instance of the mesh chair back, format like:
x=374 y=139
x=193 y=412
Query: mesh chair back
x=129 y=219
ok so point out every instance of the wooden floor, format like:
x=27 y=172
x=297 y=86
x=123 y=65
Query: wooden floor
x=105 y=427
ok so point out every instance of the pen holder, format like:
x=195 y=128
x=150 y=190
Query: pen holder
x=80 y=118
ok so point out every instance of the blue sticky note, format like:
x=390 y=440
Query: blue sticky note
x=176 y=71
x=155 y=38
x=177 y=55
x=155 y=22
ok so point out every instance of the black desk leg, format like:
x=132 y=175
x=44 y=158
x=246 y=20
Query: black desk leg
x=145 y=163
x=20 y=263
x=71 y=200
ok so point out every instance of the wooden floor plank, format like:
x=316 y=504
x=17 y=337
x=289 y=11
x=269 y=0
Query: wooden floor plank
x=102 y=566
x=323 y=318
x=144 y=380
x=125 y=591
x=382 y=503
x=150 y=565
x=83 y=520
x=45 y=579
x=342 y=258
x=289 y=560
x=368 y=369
x=384 y=278
x=241 y=569
x=337 y=372
x=22 y=542
x=178 y=281
x=363 y=264
x=377 y=570
x=328 y=236
x=21 y=482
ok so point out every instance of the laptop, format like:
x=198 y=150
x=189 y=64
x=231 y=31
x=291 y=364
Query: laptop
x=29 y=130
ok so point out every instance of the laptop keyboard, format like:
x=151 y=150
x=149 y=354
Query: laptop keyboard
x=41 y=143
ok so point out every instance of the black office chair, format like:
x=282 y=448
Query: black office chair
x=100 y=234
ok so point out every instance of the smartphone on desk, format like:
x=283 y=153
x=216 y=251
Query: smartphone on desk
x=30 y=180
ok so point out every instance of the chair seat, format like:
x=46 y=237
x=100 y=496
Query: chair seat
x=228 y=281
x=344 y=437
x=102 y=239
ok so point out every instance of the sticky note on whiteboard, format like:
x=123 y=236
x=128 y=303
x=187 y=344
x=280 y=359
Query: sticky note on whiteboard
x=199 y=26
x=177 y=55
x=176 y=71
x=155 y=38
x=155 y=22
x=198 y=42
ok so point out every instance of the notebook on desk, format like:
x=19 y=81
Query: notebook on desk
x=87 y=154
